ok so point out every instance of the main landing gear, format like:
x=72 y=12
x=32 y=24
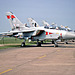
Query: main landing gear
x=55 y=43
x=38 y=43
x=42 y=42
x=66 y=42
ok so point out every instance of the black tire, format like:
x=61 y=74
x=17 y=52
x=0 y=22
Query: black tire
x=55 y=45
x=72 y=40
x=23 y=44
x=53 y=42
x=38 y=44
x=42 y=42
x=66 y=42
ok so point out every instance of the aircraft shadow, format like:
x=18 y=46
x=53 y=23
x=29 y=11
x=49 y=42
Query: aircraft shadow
x=27 y=46
x=59 y=46
x=66 y=47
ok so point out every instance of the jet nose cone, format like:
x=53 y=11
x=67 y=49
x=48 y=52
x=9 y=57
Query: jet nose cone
x=70 y=35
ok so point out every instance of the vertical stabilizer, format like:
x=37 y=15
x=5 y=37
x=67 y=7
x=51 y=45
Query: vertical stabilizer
x=45 y=23
x=14 y=21
x=32 y=22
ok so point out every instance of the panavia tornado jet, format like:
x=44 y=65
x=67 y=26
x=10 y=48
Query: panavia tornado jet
x=54 y=26
x=35 y=33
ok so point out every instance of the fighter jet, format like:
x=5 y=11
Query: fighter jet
x=36 y=33
x=54 y=26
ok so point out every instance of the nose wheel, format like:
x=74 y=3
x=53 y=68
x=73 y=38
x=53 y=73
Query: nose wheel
x=55 y=44
x=23 y=44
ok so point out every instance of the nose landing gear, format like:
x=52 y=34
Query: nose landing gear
x=55 y=44
x=23 y=44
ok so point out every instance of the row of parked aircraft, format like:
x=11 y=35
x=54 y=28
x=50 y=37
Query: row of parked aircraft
x=34 y=32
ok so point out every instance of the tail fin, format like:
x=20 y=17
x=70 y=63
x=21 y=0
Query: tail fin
x=45 y=23
x=14 y=21
x=32 y=22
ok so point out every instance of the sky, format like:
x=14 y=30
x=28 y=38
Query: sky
x=61 y=12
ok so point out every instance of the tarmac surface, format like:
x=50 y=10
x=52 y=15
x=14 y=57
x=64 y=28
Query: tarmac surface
x=32 y=60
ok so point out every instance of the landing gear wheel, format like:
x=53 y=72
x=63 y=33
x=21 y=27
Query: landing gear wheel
x=42 y=42
x=53 y=42
x=23 y=44
x=72 y=40
x=55 y=45
x=66 y=42
x=38 y=44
